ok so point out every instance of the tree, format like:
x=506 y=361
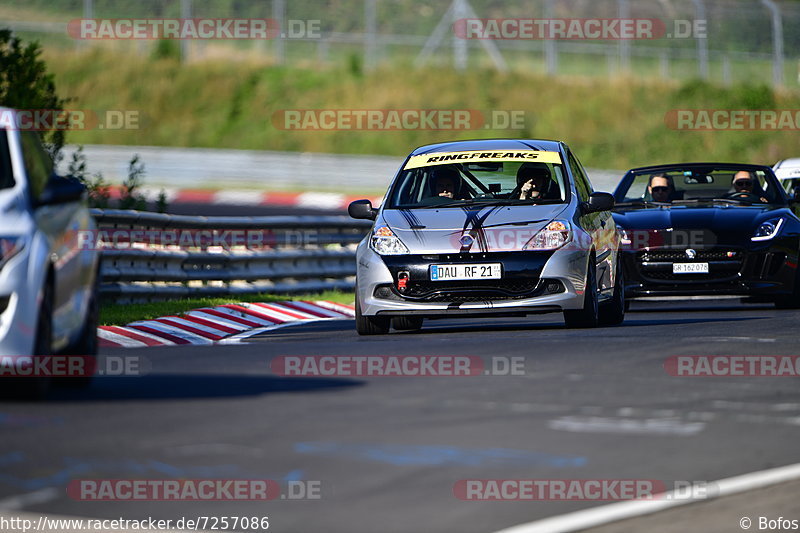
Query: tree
x=26 y=84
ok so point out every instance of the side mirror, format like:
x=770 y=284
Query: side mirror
x=61 y=190
x=599 y=201
x=362 y=209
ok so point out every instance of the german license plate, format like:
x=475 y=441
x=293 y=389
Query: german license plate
x=690 y=268
x=466 y=272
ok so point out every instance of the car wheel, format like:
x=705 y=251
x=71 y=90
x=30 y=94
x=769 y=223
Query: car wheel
x=587 y=316
x=370 y=325
x=612 y=313
x=36 y=388
x=407 y=323
x=791 y=301
x=87 y=344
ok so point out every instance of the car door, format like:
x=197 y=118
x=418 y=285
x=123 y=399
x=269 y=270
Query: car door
x=600 y=225
x=59 y=224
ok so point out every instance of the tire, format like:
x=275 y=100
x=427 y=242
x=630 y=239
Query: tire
x=87 y=344
x=36 y=388
x=612 y=313
x=407 y=323
x=587 y=316
x=370 y=325
x=791 y=301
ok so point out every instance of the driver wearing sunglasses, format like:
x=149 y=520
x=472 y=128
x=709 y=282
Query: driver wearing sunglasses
x=744 y=184
x=660 y=188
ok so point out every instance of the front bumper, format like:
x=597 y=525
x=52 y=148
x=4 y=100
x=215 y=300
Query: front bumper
x=733 y=270
x=532 y=282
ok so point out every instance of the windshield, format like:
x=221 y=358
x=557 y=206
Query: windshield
x=689 y=185
x=494 y=182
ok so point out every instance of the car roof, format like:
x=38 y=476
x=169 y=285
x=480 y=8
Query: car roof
x=490 y=144
x=726 y=166
x=788 y=163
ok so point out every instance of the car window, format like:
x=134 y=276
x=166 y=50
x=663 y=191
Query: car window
x=475 y=183
x=581 y=181
x=38 y=164
x=6 y=172
x=699 y=184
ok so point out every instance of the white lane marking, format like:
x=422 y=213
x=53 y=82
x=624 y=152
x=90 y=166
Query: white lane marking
x=31 y=498
x=606 y=514
x=597 y=424
x=121 y=340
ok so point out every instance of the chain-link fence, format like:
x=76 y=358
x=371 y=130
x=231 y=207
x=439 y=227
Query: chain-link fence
x=722 y=40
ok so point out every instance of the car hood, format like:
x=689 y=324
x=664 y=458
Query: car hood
x=485 y=229
x=712 y=225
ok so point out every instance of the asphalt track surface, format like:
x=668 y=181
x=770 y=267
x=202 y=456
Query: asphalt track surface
x=591 y=404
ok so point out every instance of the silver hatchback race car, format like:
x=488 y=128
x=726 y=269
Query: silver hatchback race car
x=486 y=228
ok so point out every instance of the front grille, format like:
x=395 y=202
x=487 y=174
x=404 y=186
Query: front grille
x=470 y=291
x=656 y=265
x=679 y=256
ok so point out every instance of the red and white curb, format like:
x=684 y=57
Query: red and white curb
x=308 y=200
x=227 y=323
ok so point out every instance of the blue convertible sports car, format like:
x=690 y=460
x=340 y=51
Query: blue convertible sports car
x=709 y=229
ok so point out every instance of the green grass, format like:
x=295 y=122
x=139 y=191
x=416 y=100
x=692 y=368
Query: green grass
x=611 y=123
x=121 y=314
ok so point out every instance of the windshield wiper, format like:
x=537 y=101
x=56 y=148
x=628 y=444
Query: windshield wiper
x=641 y=203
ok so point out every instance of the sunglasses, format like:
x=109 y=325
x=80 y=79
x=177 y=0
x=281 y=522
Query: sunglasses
x=743 y=183
x=659 y=189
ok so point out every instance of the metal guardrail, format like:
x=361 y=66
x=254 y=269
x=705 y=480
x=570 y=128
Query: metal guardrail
x=151 y=256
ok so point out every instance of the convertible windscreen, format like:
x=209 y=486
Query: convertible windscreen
x=690 y=185
x=436 y=185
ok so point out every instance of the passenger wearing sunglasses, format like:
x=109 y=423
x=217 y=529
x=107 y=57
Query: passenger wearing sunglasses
x=744 y=187
x=661 y=188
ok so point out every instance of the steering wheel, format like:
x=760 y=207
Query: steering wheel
x=749 y=196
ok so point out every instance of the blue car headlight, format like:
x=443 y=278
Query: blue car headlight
x=767 y=230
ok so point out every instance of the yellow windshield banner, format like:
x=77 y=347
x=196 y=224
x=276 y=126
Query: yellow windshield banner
x=482 y=156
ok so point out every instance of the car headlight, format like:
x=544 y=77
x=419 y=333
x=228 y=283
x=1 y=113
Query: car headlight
x=555 y=235
x=767 y=230
x=9 y=247
x=385 y=242
x=624 y=238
